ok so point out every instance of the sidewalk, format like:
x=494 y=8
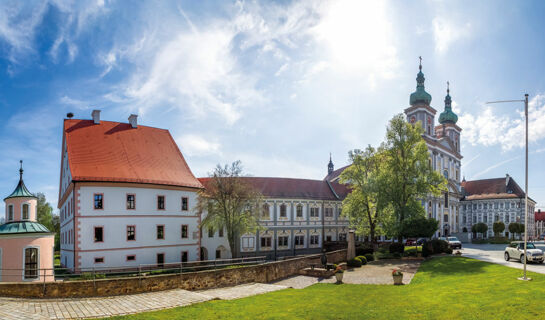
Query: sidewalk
x=82 y=308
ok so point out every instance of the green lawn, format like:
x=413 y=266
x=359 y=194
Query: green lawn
x=444 y=288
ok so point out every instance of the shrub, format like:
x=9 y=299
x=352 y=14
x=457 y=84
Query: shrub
x=363 y=259
x=354 y=263
x=370 y=257
x=439 y=246
x=397 y=247
x=448 y=251
x=364 y=249
x=396 y=255
x=427 y=250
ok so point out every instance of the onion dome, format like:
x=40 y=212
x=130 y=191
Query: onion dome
x=420 y=95
x=21 y=190
x=22 y=227
x=448 y=116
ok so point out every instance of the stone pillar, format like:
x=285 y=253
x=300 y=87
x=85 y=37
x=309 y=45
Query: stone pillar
x=351 y=251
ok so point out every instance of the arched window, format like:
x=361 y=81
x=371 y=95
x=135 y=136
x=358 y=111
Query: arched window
x=10 y=212
x=26 y=208
x=445 y=173
x=31 y=263
x=265 y=211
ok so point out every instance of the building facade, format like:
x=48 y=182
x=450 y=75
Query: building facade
x=539 y=220
x=26 y=246
x=126 y=196
x=297 y=216
x=491 y=200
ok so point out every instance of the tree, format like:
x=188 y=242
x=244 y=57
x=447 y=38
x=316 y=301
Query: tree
x=408 y=175
x=513 y=228
x=46 y=217
x=419 y=226
x=498 y=227
x=480 y=227
x=363 y=205
x=230 y=202
x=520 y=229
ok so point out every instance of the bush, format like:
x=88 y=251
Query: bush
x=364 y=249
x=370 y=257
x=363 y=259
x=427 y=250
x=354 y=263
x=439 y=246
x=396 y=255
x=397 y=247
x=448 y=251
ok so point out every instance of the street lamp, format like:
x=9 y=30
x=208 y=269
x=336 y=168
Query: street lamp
x=526 y=181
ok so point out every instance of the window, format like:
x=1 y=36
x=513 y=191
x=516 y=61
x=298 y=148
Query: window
x=184 y=231
x=445 y=218
x=283 y=241
x=131 y=205
x=99 y=201
x=160 y=202
x=329 y=212
x=299 y=211
x=445 y=173
x=446 y=199
x=160 y=232
x=184 y=256
x=99 y=260
x=31 y=263
x=220 y=232
x=218 y=254
x=10 y=212
x=265 y=211
x=342 y=236
x=160 y=260
x=185 y=205
x=131 y=233
x=210 y=232
x=496 y=205
x=25 y=211
x=283 y=210
x=99 y=234
x=247 y=242
x=314 y=239
x=132 y=257
x=299 y=240
x=314 y=212
x=328 y=237
x=265 y=242
x=486 y=206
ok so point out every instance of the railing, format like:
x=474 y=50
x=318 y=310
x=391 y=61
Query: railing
x=142 y=270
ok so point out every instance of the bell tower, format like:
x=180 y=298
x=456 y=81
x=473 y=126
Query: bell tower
x=420 y=108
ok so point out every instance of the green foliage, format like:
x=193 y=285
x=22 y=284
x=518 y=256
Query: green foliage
x=396 y=247
x=363 y=259
x=515 y=227
x=369 y=257
x=439 y=246
x=354 y=263
x=364 y=205
x=480 y=227
x=46 y=217
x=230 y=202
x=427 y=249
x=498 y=227
x=448 y=251
x=419 y=226
x=364 y=249
x=407 y=176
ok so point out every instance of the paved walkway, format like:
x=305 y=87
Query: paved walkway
x=16 y=308
x=376 y=272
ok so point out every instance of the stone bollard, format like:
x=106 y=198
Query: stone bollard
x=351 y=250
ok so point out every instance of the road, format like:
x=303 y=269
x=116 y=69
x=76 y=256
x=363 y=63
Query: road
x=494 y=253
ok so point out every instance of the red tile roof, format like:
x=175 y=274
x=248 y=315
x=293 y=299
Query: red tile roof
x=295 y=188
x=539 y=216
x=116 y=152
x=497 y=188
x=335 y=174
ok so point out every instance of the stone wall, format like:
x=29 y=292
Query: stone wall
x=262 y=273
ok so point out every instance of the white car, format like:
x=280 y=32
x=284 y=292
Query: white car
x=515 y=250
x=454 y=243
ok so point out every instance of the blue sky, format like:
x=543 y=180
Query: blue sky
x=277 y=85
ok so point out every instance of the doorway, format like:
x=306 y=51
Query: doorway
x=161 y=260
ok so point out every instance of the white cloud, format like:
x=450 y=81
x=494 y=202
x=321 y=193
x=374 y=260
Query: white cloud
x=196 y=145
x=446 y=32
x=490 y=128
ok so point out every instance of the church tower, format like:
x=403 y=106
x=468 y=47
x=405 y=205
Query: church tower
x=447 y=119
x=330 y=166
x=420 y=108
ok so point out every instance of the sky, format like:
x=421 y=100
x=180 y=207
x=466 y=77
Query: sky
x=278 y=85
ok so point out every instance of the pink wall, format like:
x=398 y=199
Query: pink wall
x=12 y=256
x=17 y=212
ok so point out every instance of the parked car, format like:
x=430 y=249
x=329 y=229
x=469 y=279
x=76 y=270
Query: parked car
x=410 y=242
x=454 y=243
x=515 y=250
x=420 y=241
x=541 y=237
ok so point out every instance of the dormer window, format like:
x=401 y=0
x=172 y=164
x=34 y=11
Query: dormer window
x=26 y=209
x=10 y=212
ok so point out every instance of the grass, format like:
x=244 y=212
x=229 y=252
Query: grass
x=444 y=288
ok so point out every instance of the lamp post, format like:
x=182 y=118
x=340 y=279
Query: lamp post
x=526 y=181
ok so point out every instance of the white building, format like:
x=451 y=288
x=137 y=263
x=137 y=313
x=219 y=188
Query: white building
x=126 y=196
x=297 y=216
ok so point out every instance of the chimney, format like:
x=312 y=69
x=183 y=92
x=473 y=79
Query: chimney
x=132 y=120
x=96 y=116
